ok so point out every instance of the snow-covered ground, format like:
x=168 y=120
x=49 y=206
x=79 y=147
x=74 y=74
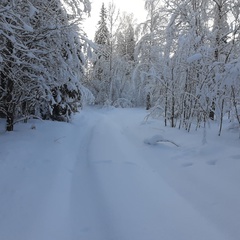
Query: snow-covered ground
x=106 y=177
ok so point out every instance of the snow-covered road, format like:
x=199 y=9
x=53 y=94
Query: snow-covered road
x=96 y=179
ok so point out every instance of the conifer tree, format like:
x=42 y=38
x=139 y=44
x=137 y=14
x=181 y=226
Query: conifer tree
x=126 y=37
x=101 y=75
x=41 y=59
x=102 y=34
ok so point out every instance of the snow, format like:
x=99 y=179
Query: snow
x=96 y=178
x=27 y=27
x=195 y=57
x=32 y=11
x=158 y=139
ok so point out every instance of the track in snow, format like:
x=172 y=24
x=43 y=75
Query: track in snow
x=100 y=187
x=116 y=196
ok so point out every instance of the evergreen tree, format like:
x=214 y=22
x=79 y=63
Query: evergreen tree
x=102 y=34
x=126 y=38
x=42 y=60
x=16 y=57
x=124 y=61
x=101 y=74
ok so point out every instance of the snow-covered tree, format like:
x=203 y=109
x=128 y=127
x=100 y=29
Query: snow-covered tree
x=126 y=39
x=149 y=53
x=18 y=71
x=102 y=34
x=63 y=50
x=42 y=59
x=195 y=61
x=123 y=62
x=100 y=76
x=225 y=31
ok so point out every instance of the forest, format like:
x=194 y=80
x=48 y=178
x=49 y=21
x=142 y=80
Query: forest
x=116 y=136
x=182 y=63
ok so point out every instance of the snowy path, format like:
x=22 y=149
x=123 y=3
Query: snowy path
x=94 y=180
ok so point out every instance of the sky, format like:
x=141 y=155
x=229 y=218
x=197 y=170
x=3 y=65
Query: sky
x=130 y=6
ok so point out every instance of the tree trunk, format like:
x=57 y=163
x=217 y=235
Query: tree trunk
x=173 y=112
x=148 y=101
x=9 y=105
x=9 y=85
x=221 y=118
x=10 y=121
x=166 y=106
x=211 y=113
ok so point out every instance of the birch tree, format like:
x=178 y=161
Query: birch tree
x=149 y=53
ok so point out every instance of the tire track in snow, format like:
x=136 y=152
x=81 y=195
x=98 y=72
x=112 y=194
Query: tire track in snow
x=115 y=200
x=87 y=216
x=58 y=215
x=97 y=187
